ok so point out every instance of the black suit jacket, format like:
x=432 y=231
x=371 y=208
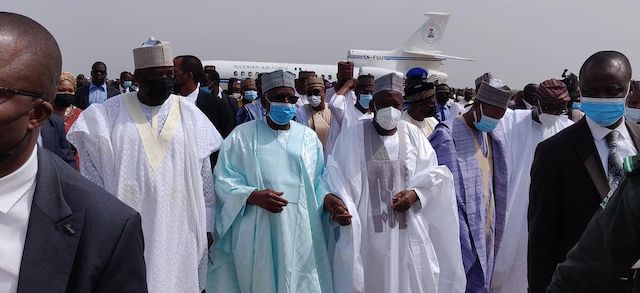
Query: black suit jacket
x=568 y=183
x=79 y=238
x=221 y=112
x=608 y=248
x=55 y=140
x=82 y=95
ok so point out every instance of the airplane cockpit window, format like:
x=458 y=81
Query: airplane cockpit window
x=235 y=73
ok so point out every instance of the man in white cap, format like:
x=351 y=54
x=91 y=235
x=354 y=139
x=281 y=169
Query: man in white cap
x=404 y=233
x=151 y=150
x=473 y=148
x=270 y=197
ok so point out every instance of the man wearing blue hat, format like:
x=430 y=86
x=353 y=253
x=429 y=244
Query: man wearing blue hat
x=415 y=76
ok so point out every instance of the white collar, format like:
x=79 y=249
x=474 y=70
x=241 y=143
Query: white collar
x=600 y=132
x=15 y=185
x=193 y=96
x=219 y=92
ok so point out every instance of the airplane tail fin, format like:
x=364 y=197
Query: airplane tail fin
x=428 y=36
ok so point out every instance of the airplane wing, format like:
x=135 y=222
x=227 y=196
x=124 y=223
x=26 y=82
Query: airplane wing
x=438 y=55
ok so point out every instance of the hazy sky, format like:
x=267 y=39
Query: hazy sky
x=519 y=41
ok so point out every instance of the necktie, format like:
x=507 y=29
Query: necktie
x=442 y=118
x=615 y=161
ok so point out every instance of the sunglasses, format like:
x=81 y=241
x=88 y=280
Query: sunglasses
x=314 y=92
x=284 y=99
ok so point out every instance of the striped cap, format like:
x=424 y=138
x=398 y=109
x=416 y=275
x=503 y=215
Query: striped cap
x=552 y=91
x=494 y=93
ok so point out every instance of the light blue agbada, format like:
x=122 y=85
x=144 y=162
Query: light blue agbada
x=256 y=250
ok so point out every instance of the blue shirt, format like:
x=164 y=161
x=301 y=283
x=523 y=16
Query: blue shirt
x=97 y=94
x=443 y=112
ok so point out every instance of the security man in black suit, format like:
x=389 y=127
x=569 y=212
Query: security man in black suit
x=188 y=72
x=73 y=236
x=98 y=79
x=576 y=169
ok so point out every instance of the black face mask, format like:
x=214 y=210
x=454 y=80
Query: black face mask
x=161 y=87
x=64 y=100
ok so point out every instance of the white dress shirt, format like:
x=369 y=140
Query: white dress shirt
x=16 y=195
x=625 y=144
x=192 y=97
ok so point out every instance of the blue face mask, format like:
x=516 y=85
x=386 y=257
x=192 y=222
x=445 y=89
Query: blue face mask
x=603 y=111
x=205 y=90
x=250 y=95
x=575 y=106
x=632 y=114
x=365 y=100
x=486 y=123
x=281 y=113
x=127 y=84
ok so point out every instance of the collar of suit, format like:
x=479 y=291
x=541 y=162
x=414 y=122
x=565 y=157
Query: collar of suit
x=586 y=149
x=53 y=233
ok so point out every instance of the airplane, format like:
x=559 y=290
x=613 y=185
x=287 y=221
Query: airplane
x=420 y=50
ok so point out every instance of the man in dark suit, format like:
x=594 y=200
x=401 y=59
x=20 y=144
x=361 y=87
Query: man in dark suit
x=576 y=169
x=216 y=91
x=97 y=91
x=609 y=246
x=219 y=109
x=59 y=233
x=54 y=139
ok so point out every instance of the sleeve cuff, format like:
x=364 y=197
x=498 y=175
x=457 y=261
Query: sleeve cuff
x=419 y=204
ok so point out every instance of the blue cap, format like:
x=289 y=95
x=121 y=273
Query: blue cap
x=418 y=73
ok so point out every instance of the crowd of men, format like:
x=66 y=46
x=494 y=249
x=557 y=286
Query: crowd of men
x=163 y=182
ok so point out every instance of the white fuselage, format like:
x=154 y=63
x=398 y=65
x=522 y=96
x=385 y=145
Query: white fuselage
x=420 y=50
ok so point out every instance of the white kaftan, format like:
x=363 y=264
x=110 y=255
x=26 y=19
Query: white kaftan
x=156 y=160
x=522 y=135
x=385 y=251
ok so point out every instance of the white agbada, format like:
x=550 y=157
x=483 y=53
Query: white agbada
x=522 y=135
x=345 y=116
x=415 y=251
x=156 y=160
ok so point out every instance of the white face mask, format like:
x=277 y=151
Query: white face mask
x=237 y=96
x=314 y=100
x=388 y=117
x=548 y=120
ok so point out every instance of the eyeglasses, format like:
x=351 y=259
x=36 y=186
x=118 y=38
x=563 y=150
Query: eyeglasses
x=7 y=93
